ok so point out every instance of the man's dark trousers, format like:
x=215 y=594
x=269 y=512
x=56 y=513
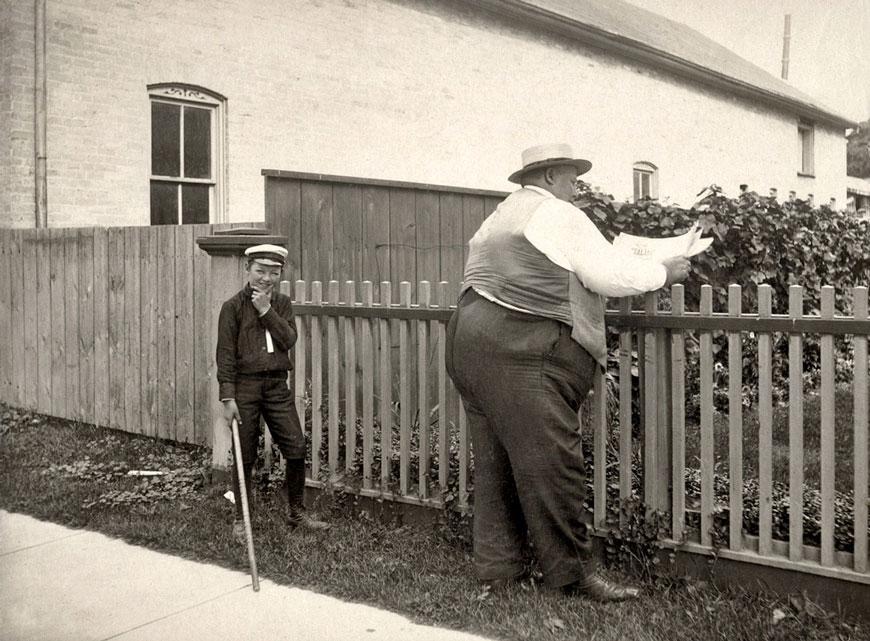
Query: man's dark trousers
x=266 y=394
x=522 y=380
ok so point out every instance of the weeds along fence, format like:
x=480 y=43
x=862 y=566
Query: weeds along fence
x=388 y=423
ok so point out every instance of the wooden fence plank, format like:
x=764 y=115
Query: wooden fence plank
x=16 y=337
x=404 y=391
x=166 y=332
x=827 y=436
x=375 y=235
x=316 y=382
x=403 y=238
x=31 y=338
x=58 y=326
x=117 y=365
x=347 y=232
x=599 y=449
x=204 y=367
x=443 y=416
x=87 y=392
x=385 y=388
x=796 y=428
x=284 y=218
x=316 y=231
x=735 y=424
x=44 y=319
x=765 y=427
x=71 y=311
x=148 y=310
x=678 y=404
x=707 y=459
x=428 y=229
x=651 y=414
x=332 y=373
x=6 y=315
x=860 y=393
x=300 y=355
x=350 y=379
x=132 y=267
x=452 y=243
x=184 y=334
x=625 y=413
x=102 y=286
x=368 y=389
x=424 y=300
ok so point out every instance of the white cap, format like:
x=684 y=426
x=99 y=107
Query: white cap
x=267 y=254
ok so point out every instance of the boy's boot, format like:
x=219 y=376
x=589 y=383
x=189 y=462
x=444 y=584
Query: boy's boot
x=295 y=477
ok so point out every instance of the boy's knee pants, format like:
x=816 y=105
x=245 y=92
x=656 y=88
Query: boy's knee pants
x=266 y=395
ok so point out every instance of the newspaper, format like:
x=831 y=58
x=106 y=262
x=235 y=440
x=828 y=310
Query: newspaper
x=659 y=249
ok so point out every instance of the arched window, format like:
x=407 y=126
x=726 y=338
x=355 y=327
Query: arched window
x=187 y=154
x=646 y=180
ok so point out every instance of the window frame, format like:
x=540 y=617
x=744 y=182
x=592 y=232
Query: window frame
x=806 y=148
x=186 y=95
x=645 y=168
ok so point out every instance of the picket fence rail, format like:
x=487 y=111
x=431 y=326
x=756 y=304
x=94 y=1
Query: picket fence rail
x=402 y=399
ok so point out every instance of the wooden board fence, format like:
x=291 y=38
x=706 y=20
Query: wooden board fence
x=104 y=326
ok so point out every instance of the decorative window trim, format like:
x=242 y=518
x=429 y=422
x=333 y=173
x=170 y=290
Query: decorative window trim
x=645 y=167
x=183 y=93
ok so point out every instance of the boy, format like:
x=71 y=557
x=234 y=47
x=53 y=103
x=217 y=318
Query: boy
x=255 y=333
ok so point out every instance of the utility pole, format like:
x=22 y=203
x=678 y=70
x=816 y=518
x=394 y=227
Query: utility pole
x=786 y=37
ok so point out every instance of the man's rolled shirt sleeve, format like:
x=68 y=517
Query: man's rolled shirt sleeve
x=565 y=235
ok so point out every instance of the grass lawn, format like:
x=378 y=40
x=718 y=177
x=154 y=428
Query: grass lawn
x=76 y=475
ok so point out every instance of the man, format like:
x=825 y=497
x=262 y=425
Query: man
x=255 y=333
x=522 y=348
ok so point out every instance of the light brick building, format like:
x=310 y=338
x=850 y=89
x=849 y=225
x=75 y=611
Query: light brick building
x=160 y=107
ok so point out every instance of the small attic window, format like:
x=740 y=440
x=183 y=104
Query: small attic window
x=645 y=176
x=806 y=129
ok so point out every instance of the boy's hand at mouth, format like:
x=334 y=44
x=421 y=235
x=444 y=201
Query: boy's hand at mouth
x=261 y=302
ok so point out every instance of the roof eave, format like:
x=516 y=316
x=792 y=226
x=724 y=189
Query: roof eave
x=641 y=52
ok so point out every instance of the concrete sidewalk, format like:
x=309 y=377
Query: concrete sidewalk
x=62 y=584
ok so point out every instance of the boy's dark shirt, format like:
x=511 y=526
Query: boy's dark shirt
x=241 y=344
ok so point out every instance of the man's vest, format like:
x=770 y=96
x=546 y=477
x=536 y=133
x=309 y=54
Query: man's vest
x=503 y=263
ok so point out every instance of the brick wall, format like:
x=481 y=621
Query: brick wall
x=424 y=91
x=16 y=115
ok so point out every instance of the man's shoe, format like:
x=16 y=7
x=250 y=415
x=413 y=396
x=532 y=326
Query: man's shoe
x=302 y=520
x=239 y=532
x=598 y=588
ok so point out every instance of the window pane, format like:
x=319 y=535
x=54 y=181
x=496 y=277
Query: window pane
x=165 y=139
x=194 y=204
x=636 y=184
x=197 y=142
x=644 y=184
x=164 y=203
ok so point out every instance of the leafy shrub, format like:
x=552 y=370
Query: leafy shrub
x=758 y=240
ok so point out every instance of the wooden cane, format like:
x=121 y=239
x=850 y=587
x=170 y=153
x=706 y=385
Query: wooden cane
x=240 y=470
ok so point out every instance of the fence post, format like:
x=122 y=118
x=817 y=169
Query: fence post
x=735 y=423
x=651 y=408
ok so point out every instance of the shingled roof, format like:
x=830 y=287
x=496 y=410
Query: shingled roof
x=642 y=35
